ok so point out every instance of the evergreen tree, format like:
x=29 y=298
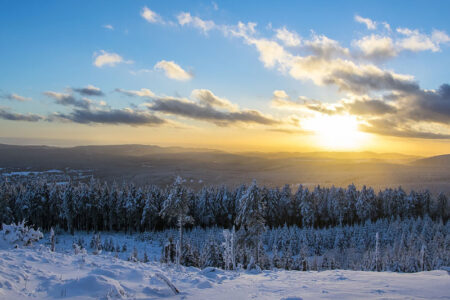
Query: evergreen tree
x=176 y=206
x=250 y=221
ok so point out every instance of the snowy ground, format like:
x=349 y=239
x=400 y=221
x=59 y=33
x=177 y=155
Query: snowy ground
x=37 y=273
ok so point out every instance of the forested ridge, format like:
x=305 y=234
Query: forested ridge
x=250 y=226
x=125 y=207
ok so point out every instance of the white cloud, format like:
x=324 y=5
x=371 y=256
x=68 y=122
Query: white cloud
x=439 y=37
x=416 y=41
x=271 y=53
x=280 y=94
x=172 y=70
x=289 y=38
x=325 y=47
x=145 y=93
x=215 y=6
x=103 y=58
x=150 y=16
x=371 y=25
x=376 y=46
x=108 y=26
x=206 y=97
x=16 y=97
x=185 y=18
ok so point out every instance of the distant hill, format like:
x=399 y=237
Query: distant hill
x=435 y=161
x=149 y=164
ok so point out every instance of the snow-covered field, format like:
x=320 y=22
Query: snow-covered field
x=35 y=272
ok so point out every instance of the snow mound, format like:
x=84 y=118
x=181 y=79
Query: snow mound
x=93 y=285
x=204 y=285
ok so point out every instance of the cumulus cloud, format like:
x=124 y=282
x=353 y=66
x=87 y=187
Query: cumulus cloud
x=289 y=38
x=371 y=25
x=377 y=46
x=111 y=116
x=89 y=90
x=418 y=114
x=369 y=107
x=330 y=63
x=280 y=94
x=185 y=18
x=392 y=128
x=110 y=59
x=196 y=111
x=207 y=98
x=209 y=107
x=173 y=70
x=6 y=114
x=68 y=100
x=16 y=97
x=325 y=47
x=426 y=105
x=145 y=93
x=271 y=53
x=349 y=76
x=150 y=16
x=325 y=62
x=417 y=41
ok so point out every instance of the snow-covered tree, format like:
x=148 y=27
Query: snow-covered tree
x=229 y=245
x=176 y=206
x=250 y=221
x=52 y=240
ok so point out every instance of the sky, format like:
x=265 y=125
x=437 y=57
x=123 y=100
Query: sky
x=231 y=75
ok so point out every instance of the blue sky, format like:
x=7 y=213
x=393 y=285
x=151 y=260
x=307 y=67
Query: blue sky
x=53 y=46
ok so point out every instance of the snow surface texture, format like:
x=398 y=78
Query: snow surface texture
x=36 y=273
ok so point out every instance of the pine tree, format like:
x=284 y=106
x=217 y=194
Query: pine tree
x=251 y=221
x=69 y=207
x=307 y=209
x=229 y=254
x=176 y=205
x=377 y=252
x=145 y=259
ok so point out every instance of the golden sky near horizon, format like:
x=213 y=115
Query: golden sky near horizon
x=236 y=140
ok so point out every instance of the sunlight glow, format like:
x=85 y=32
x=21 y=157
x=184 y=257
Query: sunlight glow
x=336 y=132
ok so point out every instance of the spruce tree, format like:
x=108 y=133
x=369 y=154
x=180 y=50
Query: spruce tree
x=176 y=206
x=250 y=221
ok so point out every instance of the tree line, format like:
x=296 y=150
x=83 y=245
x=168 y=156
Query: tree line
x=100 y=206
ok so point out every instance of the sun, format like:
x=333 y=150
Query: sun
x=336 y=132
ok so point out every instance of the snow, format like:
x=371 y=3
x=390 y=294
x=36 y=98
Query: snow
x=35 y=272
x=28 y=173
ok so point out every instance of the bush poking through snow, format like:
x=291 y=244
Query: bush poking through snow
x=134 y=255
x=78 y=250
x=96 y=244
x=20 y=234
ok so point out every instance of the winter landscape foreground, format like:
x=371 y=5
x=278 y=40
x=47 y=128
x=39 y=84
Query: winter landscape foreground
x=36 y=272
x=122 y=242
